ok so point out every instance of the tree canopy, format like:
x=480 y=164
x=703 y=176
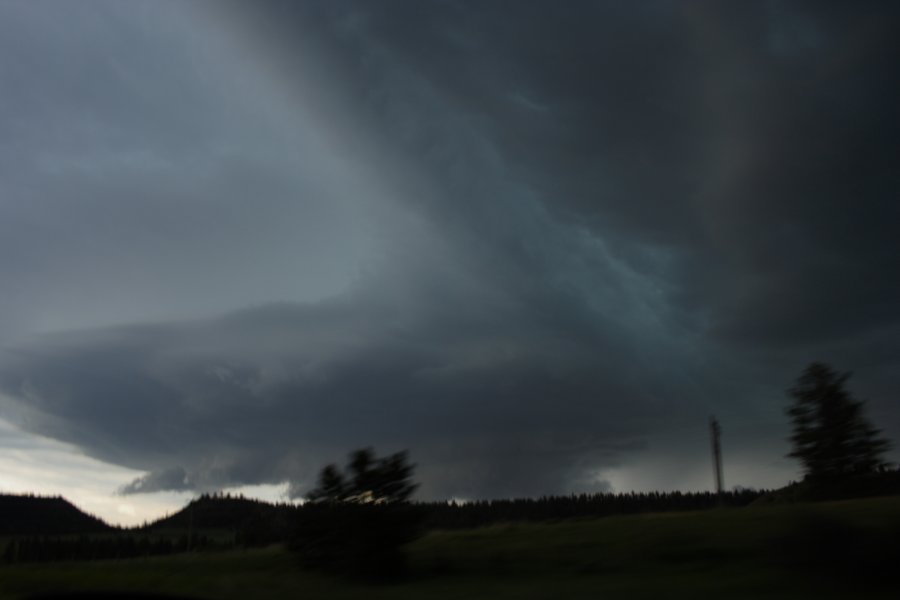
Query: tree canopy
x=358 y=521
x=830 y=434
x=367 y=479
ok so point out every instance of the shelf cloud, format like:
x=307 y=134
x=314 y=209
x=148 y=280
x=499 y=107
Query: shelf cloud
x=534 y=245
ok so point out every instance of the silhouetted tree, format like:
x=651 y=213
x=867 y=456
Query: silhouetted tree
x=332 y=487
x=831 y=437
x=369 y=480
x=356 y=524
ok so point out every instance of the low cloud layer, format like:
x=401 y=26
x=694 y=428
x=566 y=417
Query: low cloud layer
x=529 y=245
x=504 y=404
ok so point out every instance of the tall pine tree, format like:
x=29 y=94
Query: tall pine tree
x=831 y=437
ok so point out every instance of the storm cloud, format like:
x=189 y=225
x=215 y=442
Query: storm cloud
x=531 y=244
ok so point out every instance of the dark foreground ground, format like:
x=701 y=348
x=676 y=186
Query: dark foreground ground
x=829 y=550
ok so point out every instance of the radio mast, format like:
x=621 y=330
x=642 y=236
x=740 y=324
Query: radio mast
x=715 y=432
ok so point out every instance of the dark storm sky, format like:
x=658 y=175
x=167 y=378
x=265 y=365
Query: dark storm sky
x=535 y=243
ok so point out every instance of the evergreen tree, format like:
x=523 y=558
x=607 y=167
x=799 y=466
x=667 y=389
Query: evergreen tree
x=331 y=488
x=368 y=479
x=831 y=437
x=359 y=520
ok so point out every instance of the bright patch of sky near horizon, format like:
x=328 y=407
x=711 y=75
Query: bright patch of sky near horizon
x=31 y=464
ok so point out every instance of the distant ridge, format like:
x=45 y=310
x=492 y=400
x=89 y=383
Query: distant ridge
x=224 y=512
x=251 y=522
x=45 y=515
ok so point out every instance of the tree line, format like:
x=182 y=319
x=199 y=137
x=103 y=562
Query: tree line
x=577 y=506
x=113 y=546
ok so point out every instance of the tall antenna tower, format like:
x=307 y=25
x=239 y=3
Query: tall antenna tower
x=715 y=432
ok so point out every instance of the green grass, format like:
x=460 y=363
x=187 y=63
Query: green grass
x=759 y=551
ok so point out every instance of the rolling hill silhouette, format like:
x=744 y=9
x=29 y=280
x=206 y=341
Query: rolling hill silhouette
x=40 y=515
x=253 y=522
x=219 y=512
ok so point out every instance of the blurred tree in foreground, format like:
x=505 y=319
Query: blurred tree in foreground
x=831 y=436
x=357 y=522
x=368 y=480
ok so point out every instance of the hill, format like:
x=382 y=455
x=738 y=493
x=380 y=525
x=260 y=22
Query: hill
x=253 y=522
x=43 y=515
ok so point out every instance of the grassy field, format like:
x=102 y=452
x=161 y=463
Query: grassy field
x=833 y=550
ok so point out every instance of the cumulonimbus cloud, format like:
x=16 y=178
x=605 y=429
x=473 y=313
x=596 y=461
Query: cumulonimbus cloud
x=590 y=230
